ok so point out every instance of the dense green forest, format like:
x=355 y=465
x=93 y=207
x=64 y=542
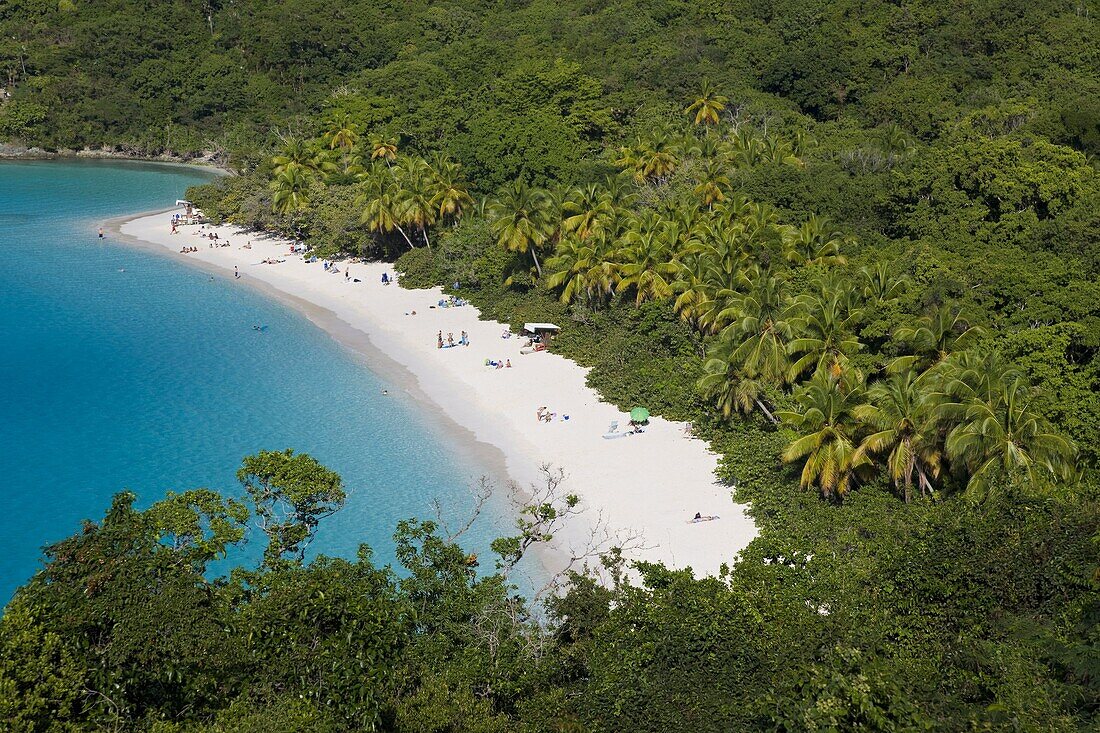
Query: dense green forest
x=856 y=244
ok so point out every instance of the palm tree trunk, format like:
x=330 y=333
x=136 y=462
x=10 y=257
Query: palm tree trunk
x=424 y=233
x=924 y=482
x=765 y=410
x=538 y=267
x=909 y=470
x=406 y=236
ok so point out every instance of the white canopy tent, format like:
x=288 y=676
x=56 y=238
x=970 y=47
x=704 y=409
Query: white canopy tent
x=535 y=328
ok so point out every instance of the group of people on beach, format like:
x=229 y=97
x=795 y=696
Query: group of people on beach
x=450 y=302
x=463 y=340
x=188 y=250
x=543 y=414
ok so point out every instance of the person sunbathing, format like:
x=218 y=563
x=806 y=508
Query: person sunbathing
x=700 y=518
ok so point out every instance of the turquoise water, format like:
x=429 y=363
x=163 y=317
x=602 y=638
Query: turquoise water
x=153 y=379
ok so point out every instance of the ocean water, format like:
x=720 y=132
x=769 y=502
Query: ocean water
x=122 y=369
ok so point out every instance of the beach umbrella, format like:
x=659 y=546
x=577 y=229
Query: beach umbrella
x=639 y=414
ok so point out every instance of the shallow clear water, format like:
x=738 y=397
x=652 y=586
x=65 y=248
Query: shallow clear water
x=120 y=369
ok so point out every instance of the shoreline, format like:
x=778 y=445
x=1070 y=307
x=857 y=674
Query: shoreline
x=17 y=153
x=650 y=484
x=358 y=345
x=354 y=341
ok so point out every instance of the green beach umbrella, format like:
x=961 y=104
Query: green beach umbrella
x=639 y=414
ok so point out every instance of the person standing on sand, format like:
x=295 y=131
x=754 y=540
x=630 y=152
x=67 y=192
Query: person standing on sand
x=347 y=274
x=236 y=272
x=440 y=339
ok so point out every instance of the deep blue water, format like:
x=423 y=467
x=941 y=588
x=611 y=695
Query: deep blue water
x=153 y=379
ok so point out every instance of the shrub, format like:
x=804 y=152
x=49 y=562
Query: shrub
x=419 y=268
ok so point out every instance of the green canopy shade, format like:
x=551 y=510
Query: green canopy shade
x=639 y=414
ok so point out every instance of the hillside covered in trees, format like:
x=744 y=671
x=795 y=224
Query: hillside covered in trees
x=857 y=245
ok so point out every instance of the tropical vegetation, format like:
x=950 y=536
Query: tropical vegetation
x=853 y=245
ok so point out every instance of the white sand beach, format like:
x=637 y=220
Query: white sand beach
x=652 y=483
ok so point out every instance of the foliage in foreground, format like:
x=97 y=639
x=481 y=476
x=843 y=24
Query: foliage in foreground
x=977 y=620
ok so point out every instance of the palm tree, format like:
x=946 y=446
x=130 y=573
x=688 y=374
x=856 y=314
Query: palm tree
x=826 y=420
x=647 y=259
x=658 y=159
x=383 y=148
x=802 y=143
x=341 y=132
x=581 y=267
x=520 y=218
x=734 y=208
x=707 y=106
x=589 y=211
x=340 y=168
x=750 y=352
x=901 y=412
x=290 y=189
x=709 y=147
x=880 y=285
x=621 y=190
x=450 y=194
x=748 y=149
x=969 y=376
x=1005 y=440
x=824 y=341
x=650 y=158
x=728 y=386
x=762 y=330
x=379 y=202
x=296 y=151
x=934 y=337
x=710 y=289
x=338 y=161
x=760 y=235
x=896 y=143
x=415 y=203
x=712 y=184
x=816 y=242
x=775 y=150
